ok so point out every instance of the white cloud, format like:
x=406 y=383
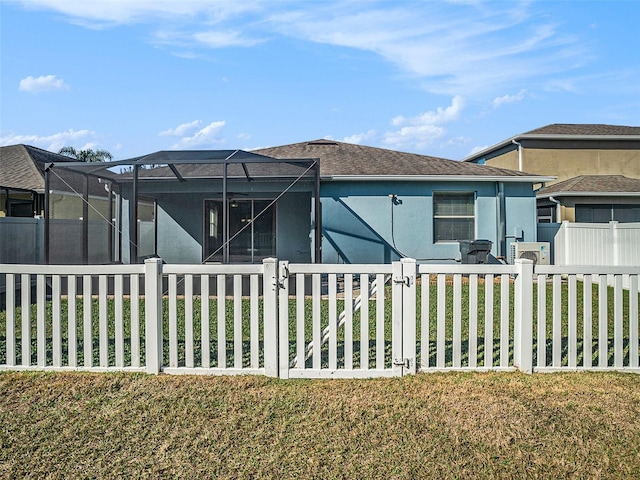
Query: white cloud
x=181 y=130
x=99 y=14
x=422 y=130
x=205 y=137
x=456 y=48
x=220 y=39
x=358 y=138
x=53 y=142
x=44 y=83
x=452 y=48
x=499 y=101
x=475 y=150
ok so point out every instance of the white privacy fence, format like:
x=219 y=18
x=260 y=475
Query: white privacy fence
x=319 y=321
x=610 y=243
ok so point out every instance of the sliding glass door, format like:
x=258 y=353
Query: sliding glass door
x=252 y=230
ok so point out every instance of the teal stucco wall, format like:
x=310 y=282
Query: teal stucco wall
x=362 y=225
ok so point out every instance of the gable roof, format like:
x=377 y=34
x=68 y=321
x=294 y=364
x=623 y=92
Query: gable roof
x=593 y=185
x=566 y=131
x=344 y=161
x=22 y=166
x=581 y=129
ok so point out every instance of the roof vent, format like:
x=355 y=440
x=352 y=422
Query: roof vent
x=323 y=142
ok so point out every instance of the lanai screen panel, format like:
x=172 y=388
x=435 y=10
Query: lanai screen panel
x=80 y=211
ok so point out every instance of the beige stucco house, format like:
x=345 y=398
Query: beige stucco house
x=597 y=168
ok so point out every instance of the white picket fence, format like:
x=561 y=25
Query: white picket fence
x=318 y=321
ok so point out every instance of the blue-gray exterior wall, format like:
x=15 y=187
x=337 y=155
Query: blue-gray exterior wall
x=357 y=219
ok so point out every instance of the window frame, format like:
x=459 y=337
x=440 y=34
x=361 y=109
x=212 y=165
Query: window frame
x=473 y=217
x=218 y=258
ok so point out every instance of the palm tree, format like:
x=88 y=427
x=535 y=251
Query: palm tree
x=86 y=155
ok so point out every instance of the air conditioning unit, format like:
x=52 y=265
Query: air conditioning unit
x=539 y=252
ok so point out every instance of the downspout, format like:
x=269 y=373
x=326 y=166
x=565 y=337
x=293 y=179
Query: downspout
x=558 y=209
x=519 y=154
x=502 y=227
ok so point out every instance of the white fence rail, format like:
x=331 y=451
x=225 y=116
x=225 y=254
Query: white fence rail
x=322 y=321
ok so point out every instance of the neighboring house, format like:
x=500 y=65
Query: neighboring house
x=318 y=201
x=591 y=199
x=22 y=180
x=595 y=163
x=379 y=205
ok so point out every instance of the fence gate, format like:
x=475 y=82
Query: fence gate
x=343 y=321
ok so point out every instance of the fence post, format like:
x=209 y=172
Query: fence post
x=523 y=326
x=409 y=315
x=397 y=281
x=153 y=314
x=270 y=306
x=283 y=320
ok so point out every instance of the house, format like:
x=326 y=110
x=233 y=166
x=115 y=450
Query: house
x=379 y=205
x=22 y=203
x=317 y=201
x=591 y=199
x=22 y=179
x=595 y=166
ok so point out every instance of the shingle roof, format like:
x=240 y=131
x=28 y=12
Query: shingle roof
x=339 y=158
x=578 y=129
x=21 y=167
x=594 y=184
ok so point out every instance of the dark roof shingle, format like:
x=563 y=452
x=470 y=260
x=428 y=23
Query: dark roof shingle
x=339 y=158
x=22 y=166
x=594 y=184
x=578 y=129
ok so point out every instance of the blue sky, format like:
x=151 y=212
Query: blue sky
x=442 y=78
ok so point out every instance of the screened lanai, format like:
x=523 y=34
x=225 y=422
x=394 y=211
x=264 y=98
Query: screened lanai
x=220 y=206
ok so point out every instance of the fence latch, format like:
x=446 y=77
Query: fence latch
x=401 y=362
x=406 y=280
x=284 y=275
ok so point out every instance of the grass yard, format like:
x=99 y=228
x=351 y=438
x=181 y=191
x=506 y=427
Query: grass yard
x=509 y=425
x=245 y=306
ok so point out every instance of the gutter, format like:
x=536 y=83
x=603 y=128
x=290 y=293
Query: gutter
x=589 y=194
x=444 y=178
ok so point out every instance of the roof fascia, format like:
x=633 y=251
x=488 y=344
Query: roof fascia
x=432 y=178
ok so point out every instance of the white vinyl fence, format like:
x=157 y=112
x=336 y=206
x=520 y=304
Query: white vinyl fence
x=319 y=321
x=610 y=243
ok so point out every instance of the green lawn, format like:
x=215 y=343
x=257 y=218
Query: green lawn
x=324 y=314
x=504 y=425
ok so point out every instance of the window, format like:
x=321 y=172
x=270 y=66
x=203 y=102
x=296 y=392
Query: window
x=546 y=214
x=146 y=227
x=606 y=213
x=256 y=237
x=453 y=217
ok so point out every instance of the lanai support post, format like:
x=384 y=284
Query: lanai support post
x=225 y=217
x=47 y=213
x=133 y=228
x=318 y=217
x=85 y=221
